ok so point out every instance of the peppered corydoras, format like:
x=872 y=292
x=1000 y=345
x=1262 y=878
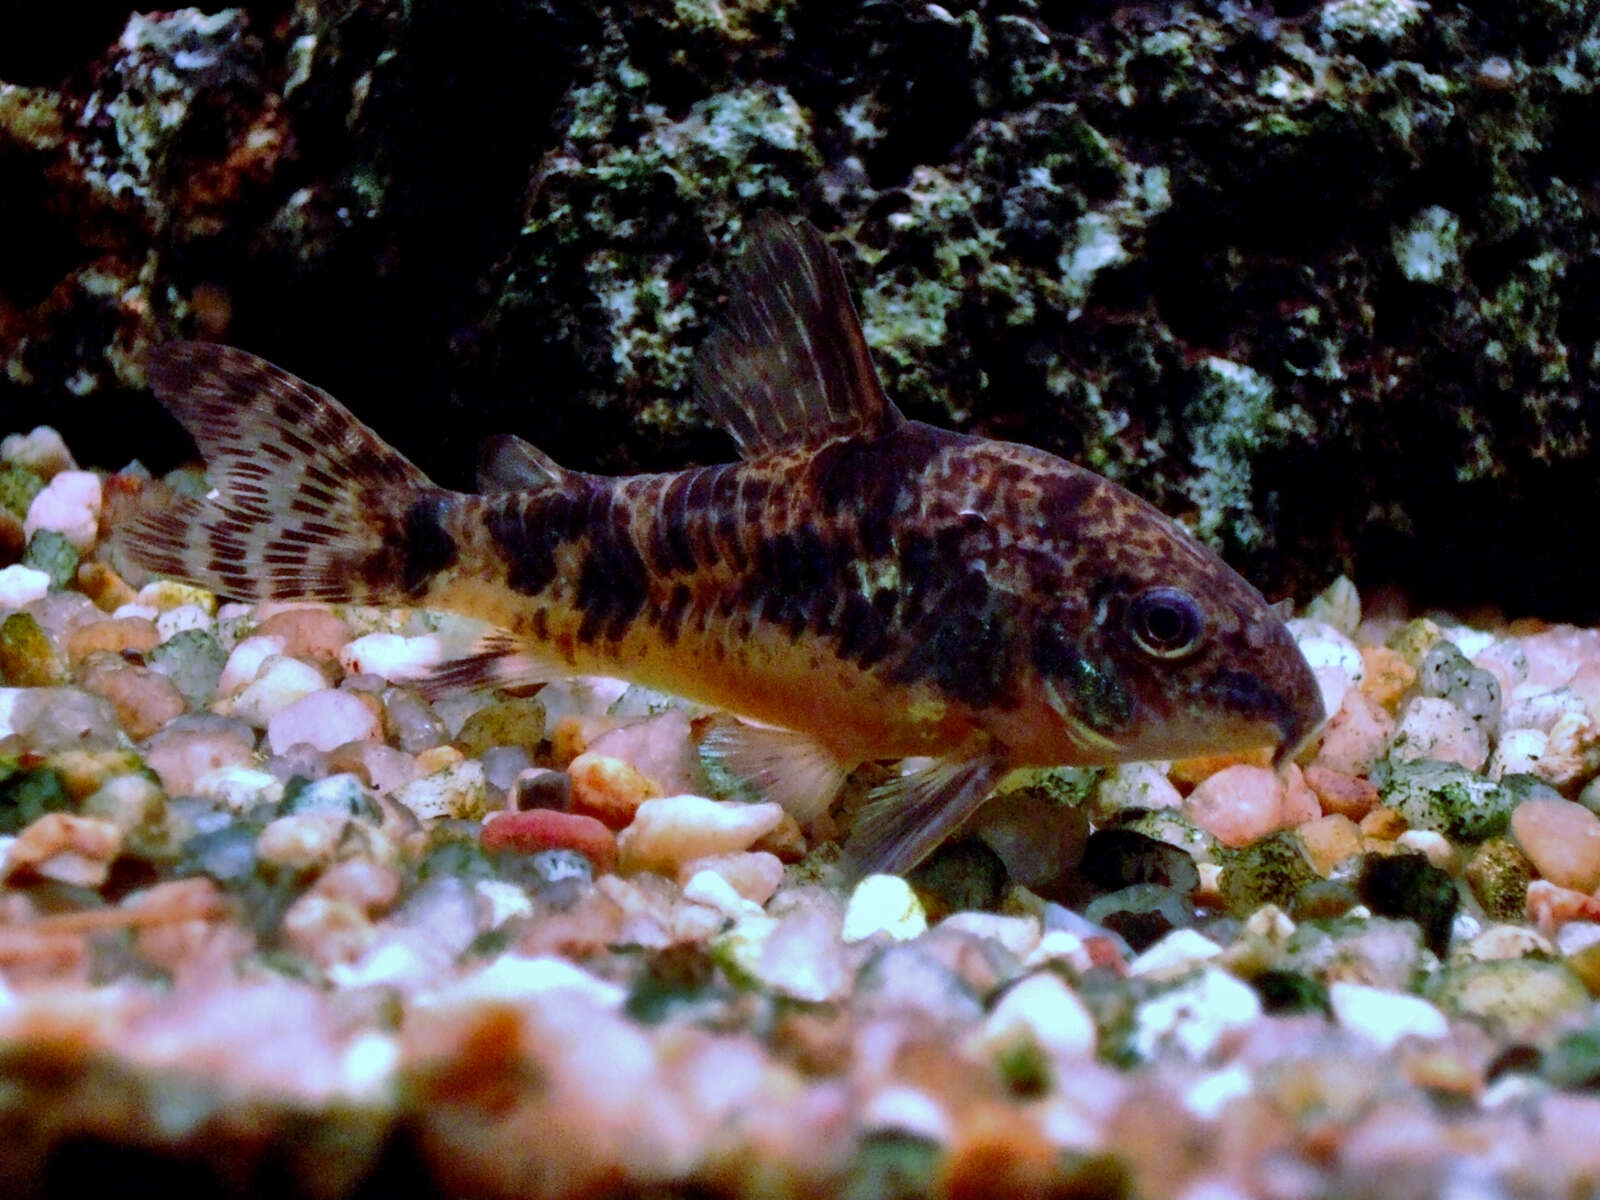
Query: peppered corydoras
x=860 y=585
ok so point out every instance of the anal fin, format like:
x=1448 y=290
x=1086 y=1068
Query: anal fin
x=906 y=818
x=788 y=767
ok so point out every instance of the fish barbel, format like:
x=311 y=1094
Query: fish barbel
x=859 y=585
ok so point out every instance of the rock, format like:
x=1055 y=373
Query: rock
x=1329 y=841
x=1141 y=914
x=108 y=590
x=42 y=452
x=1408 y=885
x=279 y=683
x=669 y=831
x=1499 y=873
x=661 y=748
x=341 y=794
x=123 y=635
x=28 y=657
x=608 y=789
x=21 y=585
x=1178 y=952
x=1516 y=997
x=301 y=843
x=1561 y=839
x=391 y=656
x=1356 y=735
x=503 y=764
x=194 y=660
x=546 y=829
x=1040 y=1013
x=1388 y=676
x=325 y=719
x=1271 y=870
x=518 y=722
x=1038 y=836
x=1192 y=1016
x=1341 y=794
x=166 y=595
x=144 y=700
x=1445 y=797
x=50 y=552
x=238 y=788
x=412 y=723
x=1332 y=657
x=1116 y=858
x=883 y=904
x=182 y=756
x=1136 y=785
x=65 y=848
x=315 y=634
x=1473 y=691
x=383 y=768
x=58 y=718
x=540 y=787
x=1384 y=1018
x=1238 y=804
x=457 y=790
x=183 y=618
x=69 y=505
x=753 y=874
x=1434 y=728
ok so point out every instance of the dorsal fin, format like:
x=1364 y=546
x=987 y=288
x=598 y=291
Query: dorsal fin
x=788 y=366
x=508 y=464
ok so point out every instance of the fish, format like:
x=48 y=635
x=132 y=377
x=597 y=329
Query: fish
x=858 y=587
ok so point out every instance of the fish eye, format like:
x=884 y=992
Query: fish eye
x=1166 y=622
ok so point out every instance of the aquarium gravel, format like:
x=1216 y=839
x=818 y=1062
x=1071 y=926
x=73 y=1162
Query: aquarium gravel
x=271 y=914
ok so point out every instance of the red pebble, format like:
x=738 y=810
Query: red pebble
x=549 y=829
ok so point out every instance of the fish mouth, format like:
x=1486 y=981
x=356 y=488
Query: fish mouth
x=1294 y=717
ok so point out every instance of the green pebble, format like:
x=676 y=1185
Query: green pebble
x=343 y=795
x=1498 y=874
x=889 y=1166
x=1574 y=1060
x=1268 y=871
x=28 y=658
x=517 y=722
x=1516 y=997
x=1445 y=798
x=18 y=487
x=960 y=876
x=193 y=660
x=51 y=553
x=1284 y=992
x=1408 y=885
x=26 y=794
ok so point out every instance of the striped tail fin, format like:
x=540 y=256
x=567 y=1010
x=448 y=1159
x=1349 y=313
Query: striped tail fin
x=308 y=503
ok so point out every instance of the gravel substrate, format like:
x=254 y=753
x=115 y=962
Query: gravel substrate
x=270 y=918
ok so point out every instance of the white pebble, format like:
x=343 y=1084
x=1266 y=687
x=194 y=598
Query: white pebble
x=1019 y=935
x=1432 y=727
x=70 y=505
x=21 y=585
x=323 y=719
x=1210 y=1095
x=1194 y=1016
x=513 y=978
x=1519 y=752
x=143 y=612
x=668 y=831
x=459 y=790
x=1045 y=1010
x=883 y=904
x=43 y=451
x=280 y=682
x=1332 y=657
x=184 y=617
x=1384 y=1017
x=708 y=888
x=1180 y=948
x=900 y=1108
x=245 y=662
x=1138 y=785
x=391 y=656
x=239 y=788
x=1435 y=847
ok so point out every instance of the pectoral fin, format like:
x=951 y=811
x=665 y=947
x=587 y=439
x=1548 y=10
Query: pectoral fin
x=906 y=818
x=496 y=660
x=788 y=767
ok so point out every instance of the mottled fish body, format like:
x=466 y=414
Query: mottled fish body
x=864 y=586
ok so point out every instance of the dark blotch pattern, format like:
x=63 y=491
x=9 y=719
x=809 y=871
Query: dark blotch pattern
x=427 y=548
x=613 y=582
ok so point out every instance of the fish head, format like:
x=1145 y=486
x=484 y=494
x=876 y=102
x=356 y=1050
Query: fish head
x=1168 y=652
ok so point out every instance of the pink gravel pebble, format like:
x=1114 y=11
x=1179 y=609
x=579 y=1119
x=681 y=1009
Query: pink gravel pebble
x=312 y=633
x=548 y=829
x=1238 y=804
x=181 y=758
x=324 y=719
x=1561 y=839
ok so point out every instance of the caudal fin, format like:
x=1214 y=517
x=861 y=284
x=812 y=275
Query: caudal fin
x=308 y=503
